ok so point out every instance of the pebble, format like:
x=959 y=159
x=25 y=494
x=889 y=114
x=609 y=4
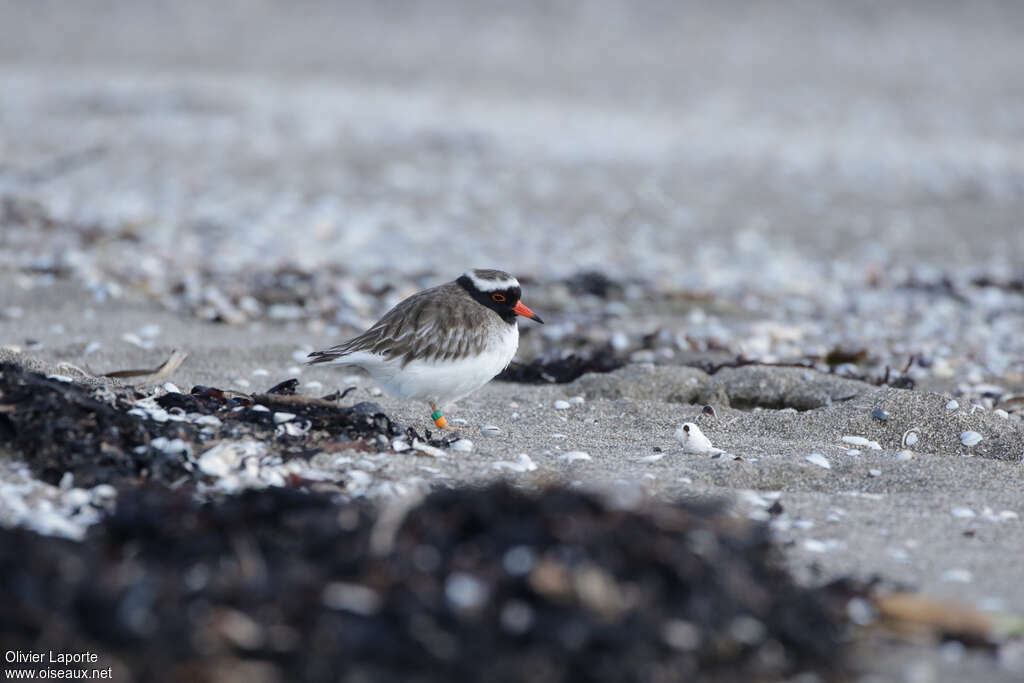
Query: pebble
x=879 y=414
x=462 y=445
x=1001 y=413
x=573 y=456
x=561 y=405
x=903 y=456
x=970 y=438
x=351 y=597
x=875 y=473
x=861 y=441
x=465 y=592
x=819 y=460
x=260 y=408
x=102 y=493
x=281 y=418
x=815 y=546
x=962 y=512
x=952 y=405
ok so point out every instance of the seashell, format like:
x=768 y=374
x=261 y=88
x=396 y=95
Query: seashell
x=428 y=449
x=692 y=439
x=911 y=437
x=970 y=438
x=819 y=460
x=523 y=463
x=573 y=456
x=561 y=405
x=861 y=441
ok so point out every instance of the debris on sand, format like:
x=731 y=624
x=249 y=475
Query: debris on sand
x=561 y=369
x=554 y=586
x=109 y=435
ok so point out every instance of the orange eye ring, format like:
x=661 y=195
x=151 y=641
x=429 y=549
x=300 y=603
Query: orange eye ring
x=500 y=298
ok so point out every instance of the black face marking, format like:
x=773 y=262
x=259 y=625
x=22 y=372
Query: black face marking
x=501 y=301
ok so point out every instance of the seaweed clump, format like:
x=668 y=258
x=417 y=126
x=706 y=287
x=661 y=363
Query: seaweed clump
x=472 y=583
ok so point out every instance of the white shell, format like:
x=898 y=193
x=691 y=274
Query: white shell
x=861 y=441
x=970 y=438
x=523 y=463
x=573 y=456
x=819 y=460
x=692 y=439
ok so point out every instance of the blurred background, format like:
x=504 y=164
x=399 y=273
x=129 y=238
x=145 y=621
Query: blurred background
x=778 y=157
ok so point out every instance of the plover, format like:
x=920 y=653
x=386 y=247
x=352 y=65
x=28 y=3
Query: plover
x=443 y=343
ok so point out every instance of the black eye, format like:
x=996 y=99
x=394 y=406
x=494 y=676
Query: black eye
x=500 y=298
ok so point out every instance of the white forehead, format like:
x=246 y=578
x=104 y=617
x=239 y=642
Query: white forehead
x=491 y=280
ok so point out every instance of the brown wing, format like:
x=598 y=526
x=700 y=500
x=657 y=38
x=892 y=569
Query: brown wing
x=440 y=323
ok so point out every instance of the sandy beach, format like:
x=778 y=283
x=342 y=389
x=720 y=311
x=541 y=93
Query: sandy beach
x=806 y=219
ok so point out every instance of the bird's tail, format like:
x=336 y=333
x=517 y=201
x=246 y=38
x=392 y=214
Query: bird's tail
x=323 y=357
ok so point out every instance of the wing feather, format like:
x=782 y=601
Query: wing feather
x=440 y=323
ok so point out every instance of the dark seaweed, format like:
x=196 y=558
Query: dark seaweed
x=564 y=588
x=59 y=427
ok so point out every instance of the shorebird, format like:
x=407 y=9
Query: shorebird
x=443 y=343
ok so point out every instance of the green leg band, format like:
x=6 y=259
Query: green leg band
x=436 y=415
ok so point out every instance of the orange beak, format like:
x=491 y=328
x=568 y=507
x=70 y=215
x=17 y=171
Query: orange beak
x=521 y=309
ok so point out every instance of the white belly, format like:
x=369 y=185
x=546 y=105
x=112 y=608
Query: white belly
x=439 y=382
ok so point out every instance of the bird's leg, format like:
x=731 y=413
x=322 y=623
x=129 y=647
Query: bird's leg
x=439 y=420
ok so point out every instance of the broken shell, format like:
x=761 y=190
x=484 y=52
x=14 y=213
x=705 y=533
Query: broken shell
x=861 y=441
x=523 y=463
x=573 y=456
x=911 y=437
x=819 y=460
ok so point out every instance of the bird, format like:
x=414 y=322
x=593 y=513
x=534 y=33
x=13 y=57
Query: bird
x=443 y=343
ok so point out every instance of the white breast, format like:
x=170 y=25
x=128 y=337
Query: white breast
x=441 y=381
